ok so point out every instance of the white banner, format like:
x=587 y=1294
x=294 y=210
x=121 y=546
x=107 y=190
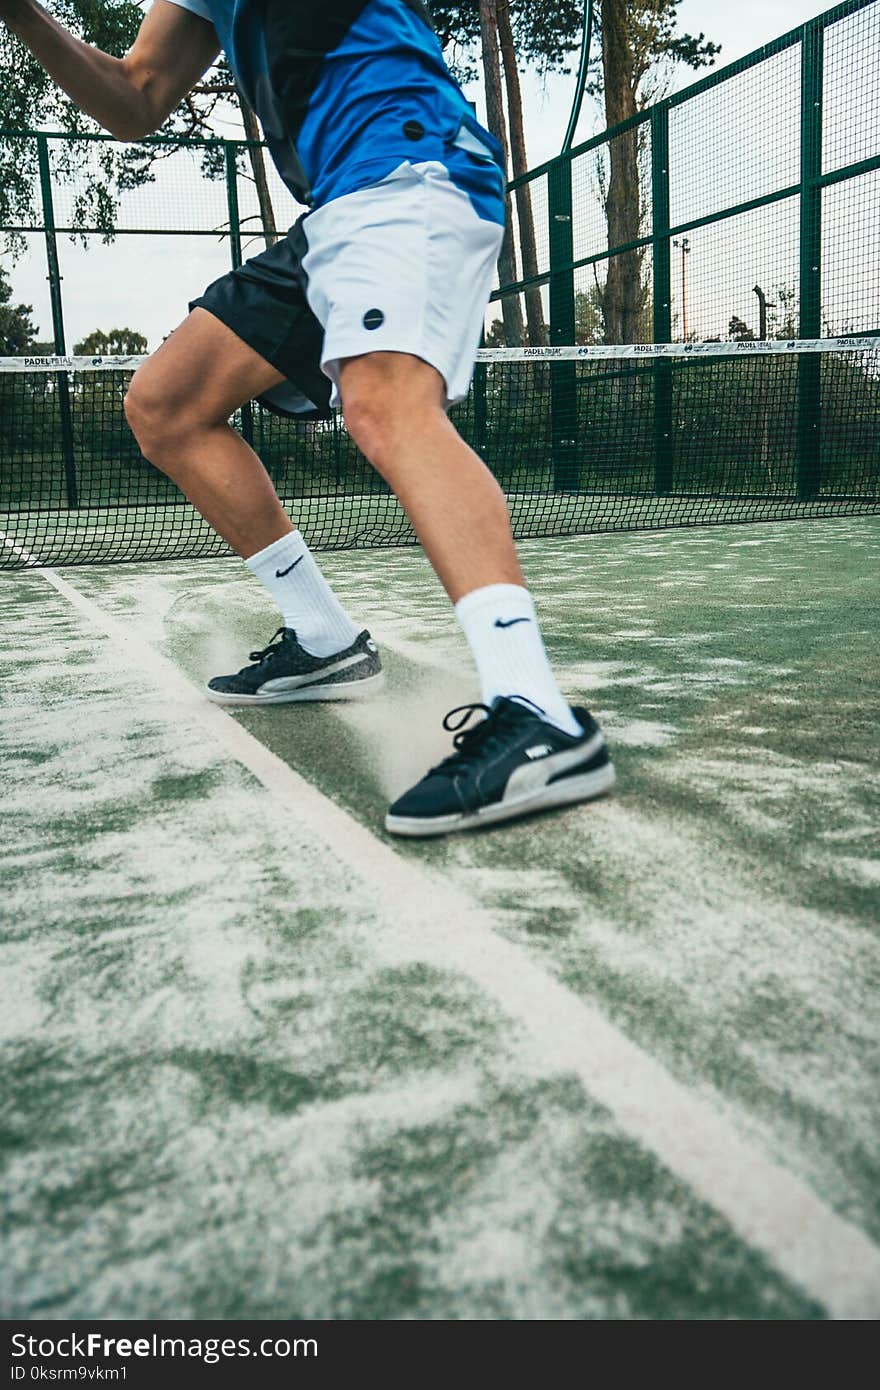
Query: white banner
x=784 y=348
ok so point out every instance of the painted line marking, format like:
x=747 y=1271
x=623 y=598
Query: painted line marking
x=770 y=1209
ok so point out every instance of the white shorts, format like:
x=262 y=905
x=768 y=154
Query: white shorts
x=406 y=265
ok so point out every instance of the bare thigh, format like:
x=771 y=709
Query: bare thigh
x=200 y=375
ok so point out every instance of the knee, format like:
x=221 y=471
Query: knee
x=369 y=422
x=161 y=424
x=148 y=419
x=379 y=426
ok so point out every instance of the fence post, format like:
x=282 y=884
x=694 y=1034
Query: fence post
x=230 y=149
x=664 y=447
x=54 y=277
x=481 y=411
x=810 y=366
x=563 y=375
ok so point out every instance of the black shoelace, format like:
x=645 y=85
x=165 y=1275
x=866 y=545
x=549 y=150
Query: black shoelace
x=483 y=737
x=269 y=653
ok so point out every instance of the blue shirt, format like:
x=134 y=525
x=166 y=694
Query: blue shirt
x=347 y=90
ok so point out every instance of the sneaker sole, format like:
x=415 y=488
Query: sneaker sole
x=341 y=690
x=586 y=787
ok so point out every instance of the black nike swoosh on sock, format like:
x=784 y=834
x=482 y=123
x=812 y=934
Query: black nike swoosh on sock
x=279 y=574
x=499 y=622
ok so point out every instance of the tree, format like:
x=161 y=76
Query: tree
x=639 y=45
x=489 y=38
x=785 y=314
x=525 y=215
x=17 y=330
x=740 y=331
x=589 y=327
x=30 y=100
x=545 y=32
x=510 y=32
x=117 y=342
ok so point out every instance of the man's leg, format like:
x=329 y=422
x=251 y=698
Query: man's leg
x=394 y=407
x=178 y=406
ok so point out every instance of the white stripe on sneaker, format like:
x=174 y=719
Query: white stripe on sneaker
x=532 y=776
x=283 y=683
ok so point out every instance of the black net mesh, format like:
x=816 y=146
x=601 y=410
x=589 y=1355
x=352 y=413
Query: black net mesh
x=730 y=219
x=581 y=439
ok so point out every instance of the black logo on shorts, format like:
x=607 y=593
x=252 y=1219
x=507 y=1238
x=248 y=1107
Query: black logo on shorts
x=511 y=622
x=373 y=318
x=279 y=574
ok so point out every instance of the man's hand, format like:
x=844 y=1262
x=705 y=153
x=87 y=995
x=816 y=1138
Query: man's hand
x=129 y=96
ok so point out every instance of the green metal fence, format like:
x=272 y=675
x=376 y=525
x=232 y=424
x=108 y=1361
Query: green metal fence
x=769 y=171
x=786 y=140
x=750 y=207
x=758 y=184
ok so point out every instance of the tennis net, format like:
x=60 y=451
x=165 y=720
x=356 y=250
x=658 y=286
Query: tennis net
x=580 y=438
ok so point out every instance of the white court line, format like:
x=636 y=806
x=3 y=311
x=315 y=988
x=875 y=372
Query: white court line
x=767 y=1207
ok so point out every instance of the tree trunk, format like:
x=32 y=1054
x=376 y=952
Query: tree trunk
x=623 y=298
x=258 y=169
x=510 y=305
x=525 y=215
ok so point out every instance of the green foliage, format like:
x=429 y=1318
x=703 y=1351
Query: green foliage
x=656 y=47
x=739 y=332
x=118 y=342
x=546 y=32
x=735 y=425
x=588 y=318
x=29 y=99
x=784 y=317
x=16 y=327
x=101 y=171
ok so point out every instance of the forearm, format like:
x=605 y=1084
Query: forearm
x=97 y=83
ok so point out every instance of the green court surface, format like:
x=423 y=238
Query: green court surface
x=262 y=1061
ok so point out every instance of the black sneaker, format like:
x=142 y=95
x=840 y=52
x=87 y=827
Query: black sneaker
x=284 y=672
x=508 y=765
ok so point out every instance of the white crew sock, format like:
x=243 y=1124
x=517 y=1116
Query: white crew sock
x=308 y=604
x=502 y=628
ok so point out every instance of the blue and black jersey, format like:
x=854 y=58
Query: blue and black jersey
x=347 y=90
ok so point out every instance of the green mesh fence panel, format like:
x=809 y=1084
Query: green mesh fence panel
x=742 y=213
x=74 y=488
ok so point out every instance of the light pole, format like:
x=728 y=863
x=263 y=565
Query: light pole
x=763 y=305
x=684 y=247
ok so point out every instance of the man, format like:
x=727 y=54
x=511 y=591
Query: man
x=375 y=301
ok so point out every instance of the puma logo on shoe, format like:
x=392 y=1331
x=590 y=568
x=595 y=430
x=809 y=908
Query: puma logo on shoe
x=511 y=622
x=279 y=574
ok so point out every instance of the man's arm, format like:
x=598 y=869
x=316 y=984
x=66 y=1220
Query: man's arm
x=128 y=96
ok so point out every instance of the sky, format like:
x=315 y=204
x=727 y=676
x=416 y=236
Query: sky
x=146 y=282
x=738 y=27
